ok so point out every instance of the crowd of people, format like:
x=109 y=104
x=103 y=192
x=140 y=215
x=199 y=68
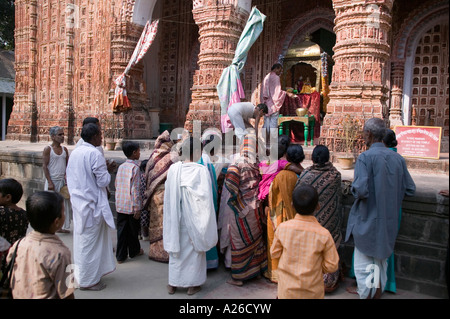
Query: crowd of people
x=198 y=209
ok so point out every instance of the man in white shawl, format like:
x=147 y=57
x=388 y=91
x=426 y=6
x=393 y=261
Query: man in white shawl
x=189 y=223
x=87 y=179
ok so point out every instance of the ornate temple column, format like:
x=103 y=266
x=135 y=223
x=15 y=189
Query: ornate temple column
x=220 y=27
x=32 y=103
x=124 y=37
x=397 y=74
x=68 y=110
x=22 y=124
x=360 y=72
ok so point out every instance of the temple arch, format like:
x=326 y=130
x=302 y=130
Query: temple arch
x=305 y=24
x=417 y=24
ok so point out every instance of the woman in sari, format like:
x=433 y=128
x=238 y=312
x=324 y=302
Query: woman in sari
x=248 y=251
x=190 y=228
x=280 y=202
x=327 y=180
x=269 y=169
x=390 y=141
x=211 y=139
x=226 y=216
x=156 y=170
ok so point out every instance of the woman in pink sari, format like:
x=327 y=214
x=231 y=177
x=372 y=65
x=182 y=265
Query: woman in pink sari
x=269 y=171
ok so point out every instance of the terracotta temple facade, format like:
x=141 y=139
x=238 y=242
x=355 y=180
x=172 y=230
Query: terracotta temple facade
x=389 y=60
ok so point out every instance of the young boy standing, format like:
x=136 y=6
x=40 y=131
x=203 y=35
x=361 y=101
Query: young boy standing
x=304 y=248
x=128 y=203
x=40 y=270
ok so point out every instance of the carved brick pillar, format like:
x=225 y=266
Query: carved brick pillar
x=23 y=121
x=220 y=27
x=359 y=75
x=68 y=111
x=124 y=38
x=397 y=74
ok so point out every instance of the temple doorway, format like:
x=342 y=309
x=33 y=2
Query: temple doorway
x=170 y=64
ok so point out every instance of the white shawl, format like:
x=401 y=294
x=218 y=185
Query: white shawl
x=87 y=179
x=188 y=191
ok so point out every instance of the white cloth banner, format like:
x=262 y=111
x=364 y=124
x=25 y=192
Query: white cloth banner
x=121 y=102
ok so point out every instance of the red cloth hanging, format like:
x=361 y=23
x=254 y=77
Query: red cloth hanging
x=308 y=101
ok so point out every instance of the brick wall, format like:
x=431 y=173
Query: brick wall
x=26 y=168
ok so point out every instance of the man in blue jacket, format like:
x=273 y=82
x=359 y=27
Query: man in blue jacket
x=380 y=183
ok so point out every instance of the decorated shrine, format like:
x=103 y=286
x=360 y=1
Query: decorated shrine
x=306 y=68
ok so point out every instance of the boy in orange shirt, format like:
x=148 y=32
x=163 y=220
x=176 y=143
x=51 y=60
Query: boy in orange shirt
x=305 y=250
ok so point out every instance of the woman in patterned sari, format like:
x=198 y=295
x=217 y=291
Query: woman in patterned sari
x=327 y=180
x=248 y=251
x=156 y=170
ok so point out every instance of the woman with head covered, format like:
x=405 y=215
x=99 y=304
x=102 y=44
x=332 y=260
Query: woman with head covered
x=189 y=223
x=324 y=177
x=248 y=251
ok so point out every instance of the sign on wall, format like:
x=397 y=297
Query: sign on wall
x=419 y=141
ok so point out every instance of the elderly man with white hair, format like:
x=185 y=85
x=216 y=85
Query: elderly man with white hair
x=380 y=183
x=55 y=158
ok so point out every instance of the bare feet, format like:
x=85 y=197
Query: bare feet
x=233 y=282
x=377 y=294
x=171 y=289
x=193 y=290
x=97 y=287
x=352 y=290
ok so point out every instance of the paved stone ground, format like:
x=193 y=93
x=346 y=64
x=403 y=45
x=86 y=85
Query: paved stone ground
x=142 y=278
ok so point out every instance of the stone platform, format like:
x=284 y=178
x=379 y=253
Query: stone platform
x=422 y=244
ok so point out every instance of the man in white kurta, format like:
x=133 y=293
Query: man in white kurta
x=189 y=224
x=273 y=96
x=87 y=179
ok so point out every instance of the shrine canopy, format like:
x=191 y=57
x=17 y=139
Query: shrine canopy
x=305 y=60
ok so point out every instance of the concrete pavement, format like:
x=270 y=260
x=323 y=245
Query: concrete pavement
x=142 y=278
